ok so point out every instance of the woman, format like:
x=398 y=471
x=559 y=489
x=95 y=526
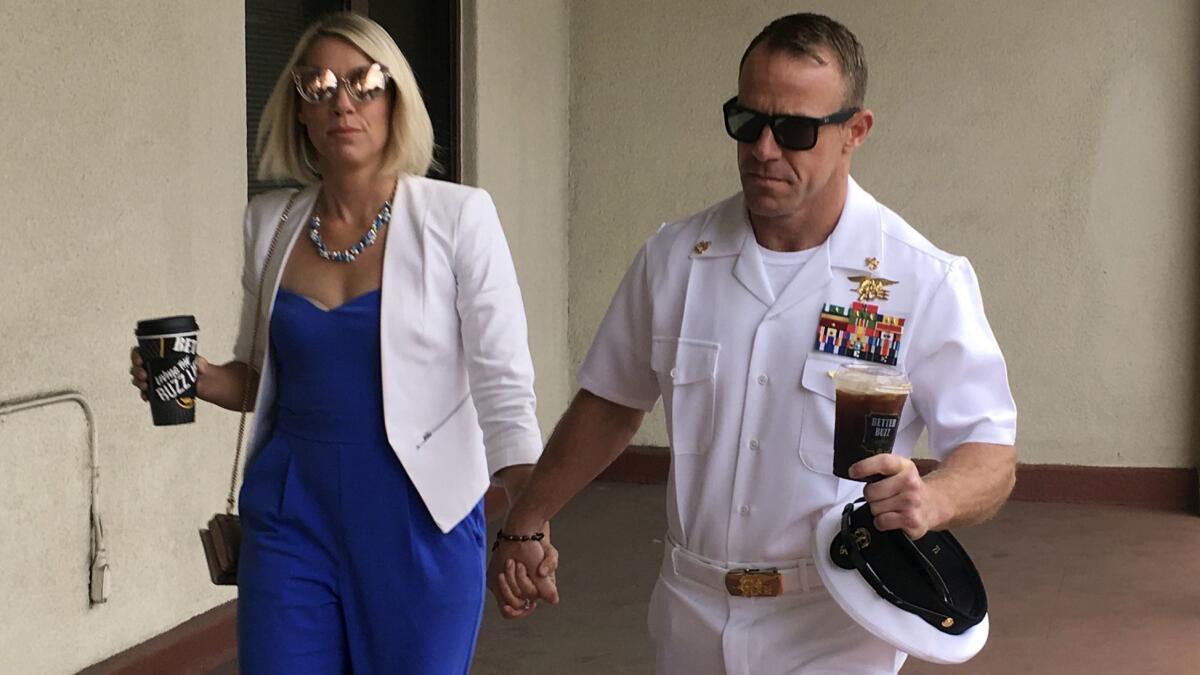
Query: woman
x=395 y=378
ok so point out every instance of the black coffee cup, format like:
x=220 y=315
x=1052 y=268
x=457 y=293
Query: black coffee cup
x=168 y=348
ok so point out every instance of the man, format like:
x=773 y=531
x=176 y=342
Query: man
x=735 y=316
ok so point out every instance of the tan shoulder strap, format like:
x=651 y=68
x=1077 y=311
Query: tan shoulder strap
x=237 y=455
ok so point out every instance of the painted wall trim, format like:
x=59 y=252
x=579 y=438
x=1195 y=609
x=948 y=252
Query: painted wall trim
x=1171 y=489
x=198 y=645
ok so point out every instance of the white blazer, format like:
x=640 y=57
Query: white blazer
x=457 y=376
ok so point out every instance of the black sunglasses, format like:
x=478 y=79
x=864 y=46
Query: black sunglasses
x=938 y=620
x=793 y=132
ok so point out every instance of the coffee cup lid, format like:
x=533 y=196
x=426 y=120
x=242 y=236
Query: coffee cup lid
x=167 y=325
x=870 y=379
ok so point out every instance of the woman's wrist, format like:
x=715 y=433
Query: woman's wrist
x=225 y=385
x=514 y=478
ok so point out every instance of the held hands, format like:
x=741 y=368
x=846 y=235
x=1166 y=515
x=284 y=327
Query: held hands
x=510 y=580
x=902 y=499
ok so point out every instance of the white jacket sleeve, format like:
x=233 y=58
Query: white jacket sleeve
x=250 y=280
x=495 y=336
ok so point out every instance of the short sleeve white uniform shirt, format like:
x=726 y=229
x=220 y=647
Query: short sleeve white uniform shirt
x=743 y=371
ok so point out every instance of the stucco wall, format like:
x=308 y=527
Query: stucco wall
x=122 y=180
x=1054 y=144
x=515 y=145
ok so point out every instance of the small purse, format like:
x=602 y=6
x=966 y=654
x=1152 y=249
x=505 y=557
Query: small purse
x=222 y=539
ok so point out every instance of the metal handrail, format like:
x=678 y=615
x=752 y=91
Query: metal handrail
x=98 y=570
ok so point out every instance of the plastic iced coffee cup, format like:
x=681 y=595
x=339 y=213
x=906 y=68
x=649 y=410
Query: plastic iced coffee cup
x=869 y=401
x=168 y=348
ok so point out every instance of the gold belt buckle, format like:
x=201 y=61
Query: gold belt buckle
x=754 y=583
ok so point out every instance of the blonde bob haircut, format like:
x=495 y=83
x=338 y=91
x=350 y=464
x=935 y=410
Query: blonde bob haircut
x=283 y=146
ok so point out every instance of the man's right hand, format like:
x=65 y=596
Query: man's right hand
x=508 y=577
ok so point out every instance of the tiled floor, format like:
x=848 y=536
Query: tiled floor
x=1072 y=589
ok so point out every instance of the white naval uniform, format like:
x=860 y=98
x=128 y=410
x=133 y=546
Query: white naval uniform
x=750 y=409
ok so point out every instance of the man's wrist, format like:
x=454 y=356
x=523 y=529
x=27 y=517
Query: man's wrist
x=941 y=504
x=522 y=521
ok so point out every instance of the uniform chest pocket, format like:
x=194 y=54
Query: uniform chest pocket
x=820 y=410
x=816 y=430
x=687 y=377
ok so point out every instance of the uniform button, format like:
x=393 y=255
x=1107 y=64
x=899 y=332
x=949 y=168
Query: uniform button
x=674 y=373
x=754 y=445
x=762 y=379
x=744 y=510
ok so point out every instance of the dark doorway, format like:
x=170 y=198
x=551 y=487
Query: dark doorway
x=427 y=33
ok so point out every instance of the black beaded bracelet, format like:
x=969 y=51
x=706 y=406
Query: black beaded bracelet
x=502 y=536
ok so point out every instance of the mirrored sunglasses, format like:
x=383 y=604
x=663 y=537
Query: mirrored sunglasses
x=792 y=132
x=318 y=85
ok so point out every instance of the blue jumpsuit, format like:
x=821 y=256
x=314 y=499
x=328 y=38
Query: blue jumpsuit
x=342 y=568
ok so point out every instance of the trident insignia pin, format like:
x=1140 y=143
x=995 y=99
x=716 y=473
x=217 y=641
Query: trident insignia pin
x=871 y=287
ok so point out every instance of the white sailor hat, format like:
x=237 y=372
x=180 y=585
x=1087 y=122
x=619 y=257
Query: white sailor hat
x=923 y=596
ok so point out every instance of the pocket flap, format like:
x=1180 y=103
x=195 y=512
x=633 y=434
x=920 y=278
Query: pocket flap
x=684 y=360
x=816 y=377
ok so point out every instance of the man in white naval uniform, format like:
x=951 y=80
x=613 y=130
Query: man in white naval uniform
x=735 y=316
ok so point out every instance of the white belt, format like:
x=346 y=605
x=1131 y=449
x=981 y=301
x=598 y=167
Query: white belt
x=798 y=575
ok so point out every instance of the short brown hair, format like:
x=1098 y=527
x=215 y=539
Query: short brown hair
x=802 y=34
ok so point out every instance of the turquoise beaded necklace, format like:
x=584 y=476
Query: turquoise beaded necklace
x=347 y=256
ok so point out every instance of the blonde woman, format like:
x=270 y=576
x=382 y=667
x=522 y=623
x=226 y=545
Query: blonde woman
x=395 y=379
